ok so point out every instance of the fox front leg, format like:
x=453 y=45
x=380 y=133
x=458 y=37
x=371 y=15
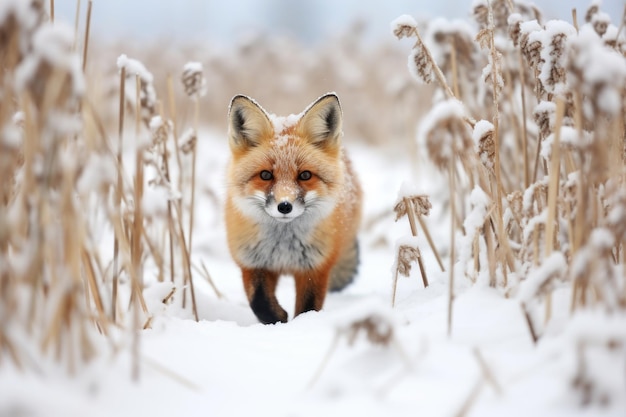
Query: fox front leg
x=311 y=288
x=260 y=286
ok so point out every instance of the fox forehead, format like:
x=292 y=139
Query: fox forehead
x=287 y=155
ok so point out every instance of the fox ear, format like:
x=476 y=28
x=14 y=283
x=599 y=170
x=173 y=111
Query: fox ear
x=322 y=121
x=248 y=123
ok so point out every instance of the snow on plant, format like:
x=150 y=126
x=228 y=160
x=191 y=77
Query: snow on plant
x=65 y=182
x=547 y=170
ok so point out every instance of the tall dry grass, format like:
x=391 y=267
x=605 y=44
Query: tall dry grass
x=535 y=157
x=68 y=180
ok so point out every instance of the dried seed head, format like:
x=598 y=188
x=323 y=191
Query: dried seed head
x=420 y=204
x=52 y=61
x=193 y=79
x=483 y=136
x=160 y=130
x=406 y=255
x=136 y=72
x=544 y=115
x=600 y=22
x=530 y=42
x=404 y=27
x=515 y=32
x=187 y=141
x=480 y=14
x=377 y=328
x=420 y=66
x=515 y=200
x=446 y=134
x=615 y=210
x=553 y=74
x=591 y=11
x=570 y=195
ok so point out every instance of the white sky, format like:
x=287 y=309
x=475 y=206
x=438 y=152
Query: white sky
x=223 y=21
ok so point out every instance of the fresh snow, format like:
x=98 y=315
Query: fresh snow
x=322 y=363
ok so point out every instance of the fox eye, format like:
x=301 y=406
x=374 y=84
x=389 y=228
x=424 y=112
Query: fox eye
x=305 y=175
x=266 y=175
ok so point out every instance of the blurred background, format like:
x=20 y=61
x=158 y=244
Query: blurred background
x=283 y=53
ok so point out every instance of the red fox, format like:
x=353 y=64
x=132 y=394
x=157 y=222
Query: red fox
x=293 y=204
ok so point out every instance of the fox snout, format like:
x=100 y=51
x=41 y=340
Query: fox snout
x=284 y=202
x=284 y=210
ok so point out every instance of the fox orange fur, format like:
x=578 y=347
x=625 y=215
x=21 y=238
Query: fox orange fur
x=293 y=204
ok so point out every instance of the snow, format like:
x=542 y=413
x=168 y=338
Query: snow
x=320 y=363
x=482 y=128
x=403 y=25
x=134 y=67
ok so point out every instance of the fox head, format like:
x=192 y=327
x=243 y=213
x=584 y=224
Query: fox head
x=285 y=168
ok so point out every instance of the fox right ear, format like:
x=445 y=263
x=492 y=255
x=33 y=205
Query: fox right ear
x=248 y=123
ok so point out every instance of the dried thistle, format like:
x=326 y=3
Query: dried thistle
x=193 y=79
x=591 y=11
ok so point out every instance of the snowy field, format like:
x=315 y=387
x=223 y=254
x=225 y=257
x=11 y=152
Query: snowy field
x=520 y=135
x=228 y=364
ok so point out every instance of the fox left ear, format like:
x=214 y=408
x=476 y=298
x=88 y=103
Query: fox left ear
x=322 y=121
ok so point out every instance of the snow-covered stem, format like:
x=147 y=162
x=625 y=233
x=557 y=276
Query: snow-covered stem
x=118 y=191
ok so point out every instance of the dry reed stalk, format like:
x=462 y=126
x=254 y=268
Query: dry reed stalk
x=503 y=252
x=207 y=276
x=174 y=118
x=136 y=250
x=87 y=28
x=411 y=214
x=92 y=285
x=487 y=373
x=553 y=188
x=529 y=322
x=188 y=276
x=119 y=189
x=453 y=64
x=451 y=177
x=76 y=22
x=524 y=121
x=471 y=398
x=194 y=157
x=575 y=18
x=52 y=11
x=194 y=83
x=430 y=241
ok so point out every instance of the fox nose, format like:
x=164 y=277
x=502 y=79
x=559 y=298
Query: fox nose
x=285 y=207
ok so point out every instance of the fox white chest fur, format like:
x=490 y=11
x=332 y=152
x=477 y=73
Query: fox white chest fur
x=293 y=204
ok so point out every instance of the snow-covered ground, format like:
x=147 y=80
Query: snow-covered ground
x=320 y=363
